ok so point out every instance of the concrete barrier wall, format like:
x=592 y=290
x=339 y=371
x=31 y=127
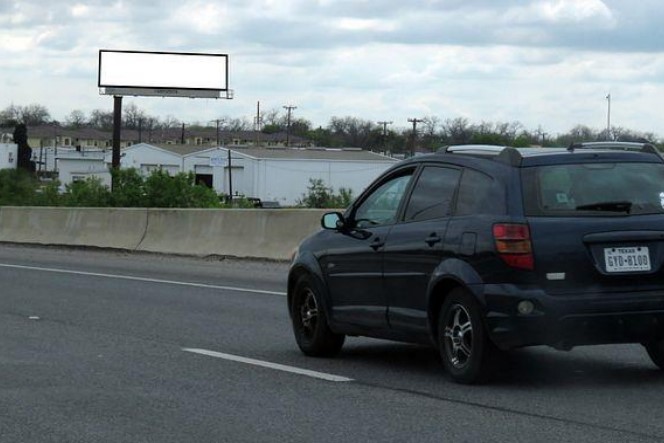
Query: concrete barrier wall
x=256 y=233
x=95 y=227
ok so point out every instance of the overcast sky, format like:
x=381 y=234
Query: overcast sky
x=548 y=63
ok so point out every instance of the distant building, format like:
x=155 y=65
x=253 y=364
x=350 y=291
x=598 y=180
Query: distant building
x=89 y=138
x=8 y=153
x=75 y=166
x=271 y=174
x=51 y=141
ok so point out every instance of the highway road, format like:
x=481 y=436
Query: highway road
x=99 y=346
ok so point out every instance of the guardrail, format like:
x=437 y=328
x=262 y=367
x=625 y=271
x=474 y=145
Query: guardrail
x=247 y=233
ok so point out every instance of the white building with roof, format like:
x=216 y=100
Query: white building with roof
x=8 y=155
x=78 y=166
x=283 y=175
x=280 y=175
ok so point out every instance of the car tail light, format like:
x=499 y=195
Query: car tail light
x=513 y=245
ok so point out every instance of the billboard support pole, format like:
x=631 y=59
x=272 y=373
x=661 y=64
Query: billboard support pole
x=117 y=126
x=230 y=177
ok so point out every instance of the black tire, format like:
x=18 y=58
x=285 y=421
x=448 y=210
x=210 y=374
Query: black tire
x=468 y=355
x=312 y=333
x=656 y=352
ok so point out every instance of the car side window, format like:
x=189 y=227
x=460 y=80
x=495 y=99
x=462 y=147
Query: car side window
x=474 y=194
x=382 y=205
x=432 y=194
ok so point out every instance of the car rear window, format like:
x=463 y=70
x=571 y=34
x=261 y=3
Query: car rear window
x=591 y=189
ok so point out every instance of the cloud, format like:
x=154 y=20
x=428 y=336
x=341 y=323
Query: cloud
x=538 y=61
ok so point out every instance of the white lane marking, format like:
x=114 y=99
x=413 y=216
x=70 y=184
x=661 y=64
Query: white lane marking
x=267 y=364
x=143 y=279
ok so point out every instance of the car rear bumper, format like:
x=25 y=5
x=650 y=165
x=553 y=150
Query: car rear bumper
x=571 y=320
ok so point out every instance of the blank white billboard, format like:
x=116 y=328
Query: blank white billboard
x=161 y=73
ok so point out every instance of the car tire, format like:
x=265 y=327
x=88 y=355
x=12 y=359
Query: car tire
x=468 y=355
x=310 y=326
x=656 y=352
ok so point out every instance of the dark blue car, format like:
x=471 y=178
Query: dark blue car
x=480 y=249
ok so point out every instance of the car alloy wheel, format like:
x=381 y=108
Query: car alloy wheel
x=468 y=354
x=308 y=311
x=312 y=333
x=458 y=336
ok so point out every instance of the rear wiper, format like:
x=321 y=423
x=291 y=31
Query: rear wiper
x=619 y=206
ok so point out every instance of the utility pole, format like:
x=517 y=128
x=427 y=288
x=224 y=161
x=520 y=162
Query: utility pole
x=289 y=109
x=608 y=117
x=182 y=135
x=384 y=124
x=542 y=135
x=258 y=123
x=217 y=121
x=414 y=121
x=230 y=176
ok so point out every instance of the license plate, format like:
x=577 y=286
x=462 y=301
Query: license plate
x=632 y=259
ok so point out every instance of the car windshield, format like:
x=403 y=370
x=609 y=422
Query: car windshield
x=594 y=189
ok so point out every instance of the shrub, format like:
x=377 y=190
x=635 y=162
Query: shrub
x=128 y=188
x=320 y=196
x=178 y=191
x=17 y=187
x=47 y=194
x=86 y=193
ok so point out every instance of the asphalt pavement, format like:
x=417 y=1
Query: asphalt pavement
x=99 y=346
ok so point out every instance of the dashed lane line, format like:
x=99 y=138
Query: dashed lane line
x=141 y=279
x=270 y=365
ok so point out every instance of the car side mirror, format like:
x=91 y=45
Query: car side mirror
x=333 y=220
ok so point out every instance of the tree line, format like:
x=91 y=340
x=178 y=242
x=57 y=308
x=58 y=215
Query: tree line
x=346 y=131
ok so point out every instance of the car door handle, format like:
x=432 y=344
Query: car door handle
x=432 y=240
x=377 y=244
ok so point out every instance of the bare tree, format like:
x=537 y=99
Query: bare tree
x=457 y=131
x=234 y=124
x=133 y=116
x=34 y=114
x=31 y=115
x=509 y=131
x=170 y=122
x=76 y=119
x=355 y=132
x=430 y=136
x=101 y=119
x=10 y=116
x=273 y=117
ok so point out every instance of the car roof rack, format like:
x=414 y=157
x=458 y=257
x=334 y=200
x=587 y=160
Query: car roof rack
x=505 y=154
x=616 y=146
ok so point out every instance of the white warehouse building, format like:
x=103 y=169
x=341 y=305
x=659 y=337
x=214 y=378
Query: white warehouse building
x=279 y=175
